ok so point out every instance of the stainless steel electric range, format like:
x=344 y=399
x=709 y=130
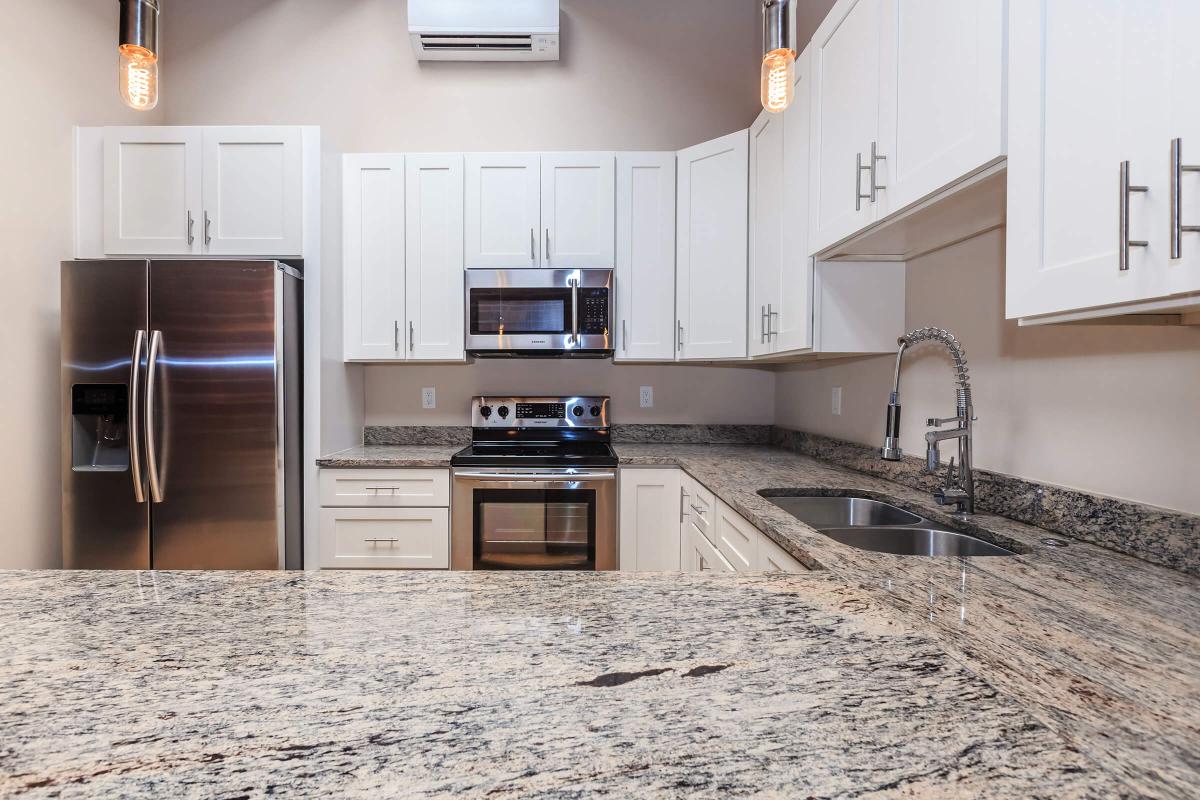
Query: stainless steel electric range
x=537 y=487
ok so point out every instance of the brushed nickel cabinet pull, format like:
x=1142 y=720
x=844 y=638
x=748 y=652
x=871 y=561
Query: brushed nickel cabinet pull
x=1177 y=226
x=1124 y=242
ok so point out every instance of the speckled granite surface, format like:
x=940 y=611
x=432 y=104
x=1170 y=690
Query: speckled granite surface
x=1157 y=535
x=436 y=435
x=477 y=684
x=1102 y=647
x=392 y=455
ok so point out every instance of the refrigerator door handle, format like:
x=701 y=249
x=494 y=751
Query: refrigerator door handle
x=156 y=495
x=135 y=417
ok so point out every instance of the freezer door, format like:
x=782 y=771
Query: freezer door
x=216 y=479
x=106 y=520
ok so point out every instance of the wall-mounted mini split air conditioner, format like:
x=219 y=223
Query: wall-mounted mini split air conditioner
x=484 y=30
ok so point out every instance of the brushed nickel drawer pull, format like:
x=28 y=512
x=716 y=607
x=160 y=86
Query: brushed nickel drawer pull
x=376 y=541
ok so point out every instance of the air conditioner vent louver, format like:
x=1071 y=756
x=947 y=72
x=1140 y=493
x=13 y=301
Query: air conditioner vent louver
x=484 y=30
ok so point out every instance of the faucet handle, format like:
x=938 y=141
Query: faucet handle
x=935 y=422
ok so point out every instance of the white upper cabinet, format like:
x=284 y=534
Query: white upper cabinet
x=907 y=102
x=578 y=210
x=711 y=234
x=152 y=191
x=1087 y=91
x=433 y=266
x=1183 y=121
x=645 y=257
x=228 y=191
x=252 y=191
x=503 y=210
x=373 y=256
x=766 y=228
x=792 y=327
x=845 y=120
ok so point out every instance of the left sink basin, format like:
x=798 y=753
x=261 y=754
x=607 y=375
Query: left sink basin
x=844 y=512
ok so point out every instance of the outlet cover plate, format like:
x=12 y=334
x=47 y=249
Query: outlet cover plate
x=646 y=397
x=428 y=397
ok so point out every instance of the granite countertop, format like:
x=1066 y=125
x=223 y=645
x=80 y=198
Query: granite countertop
x=222 y=684
x=1102 y=647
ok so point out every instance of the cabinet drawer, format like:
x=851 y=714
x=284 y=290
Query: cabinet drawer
x=736 y=538
x=699 y=505
x=424 y=488
x=375 y=538
x=701 y=556
x=773 y=558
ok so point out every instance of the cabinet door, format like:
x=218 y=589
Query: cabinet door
x=767 y=214
x=152 y=191
x=792 y=328
x=253 y=204
x=503 y=210
x=645 y=264
x=1085 y=93
x=701 y=556
x=433 y=264
x=773 y=558
x=845 y=119
x=1183 y=120
x=710 y=286
x=578 y=210
x=375 y=538
x=372 y=256
x=942 y=95
x=649 y=520
x=737 y=539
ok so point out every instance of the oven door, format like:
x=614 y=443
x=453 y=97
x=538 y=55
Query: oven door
x=512 y=519
x=538 y=312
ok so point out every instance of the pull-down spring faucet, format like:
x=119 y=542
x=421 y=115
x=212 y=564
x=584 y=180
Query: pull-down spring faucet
x=959 y=488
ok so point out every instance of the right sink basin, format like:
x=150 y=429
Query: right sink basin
x=880 y=527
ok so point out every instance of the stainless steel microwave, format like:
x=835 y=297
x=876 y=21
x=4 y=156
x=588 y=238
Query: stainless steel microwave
x=544 y=313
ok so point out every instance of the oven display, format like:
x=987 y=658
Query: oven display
x=541 y=410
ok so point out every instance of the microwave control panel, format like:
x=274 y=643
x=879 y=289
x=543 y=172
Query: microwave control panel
x=593 y=311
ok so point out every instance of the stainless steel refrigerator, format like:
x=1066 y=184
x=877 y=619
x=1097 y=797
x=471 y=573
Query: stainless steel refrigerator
x=181 y=404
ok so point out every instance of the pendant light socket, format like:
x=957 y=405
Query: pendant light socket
x=777 y=26
x=139 y=24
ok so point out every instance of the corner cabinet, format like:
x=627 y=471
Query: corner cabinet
x=711 y=230
x=1093 y=111
x=402 y=257
x=645 y=257
x=190 y=190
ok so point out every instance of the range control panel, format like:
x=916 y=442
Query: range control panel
x=539 y=412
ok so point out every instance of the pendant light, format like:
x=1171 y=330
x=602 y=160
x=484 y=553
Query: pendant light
x=779 y=57
x=137 y=77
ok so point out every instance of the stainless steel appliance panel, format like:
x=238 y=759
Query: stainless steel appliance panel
x=106 y=518
x=216 y=468
x=539 y=312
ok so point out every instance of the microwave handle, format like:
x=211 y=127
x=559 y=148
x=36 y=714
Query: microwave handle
x=575 y=312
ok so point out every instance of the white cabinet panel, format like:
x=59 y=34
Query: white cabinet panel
x=766 y=225
x=845 y=118
x=645 y=257
x=373 y=256
x=1183 y=121
x=711 y=249
x=374 y=538
x=503 y=209
x=792 y=329
x=649 y=519
x=942 y=95
x=1086 y=85
x=578 y=210
x=252 y=191
x=773 y=558
x=737 y=539
x=152 y=191
x=699 y=555
x=385 y=487
x=433 y=266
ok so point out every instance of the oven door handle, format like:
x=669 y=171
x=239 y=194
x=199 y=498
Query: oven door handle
x=533 y=476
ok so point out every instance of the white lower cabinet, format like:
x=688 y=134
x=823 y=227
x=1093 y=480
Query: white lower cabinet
x=699 y=555
x=374 y=538
x=773 y=558
x=649 y=520
x=737 y=539
x=379 y=518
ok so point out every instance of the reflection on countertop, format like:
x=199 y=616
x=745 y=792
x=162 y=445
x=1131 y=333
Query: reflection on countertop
x=470 y=684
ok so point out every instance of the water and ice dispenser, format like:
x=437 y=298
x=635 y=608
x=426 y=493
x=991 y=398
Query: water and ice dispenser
x=99 y=427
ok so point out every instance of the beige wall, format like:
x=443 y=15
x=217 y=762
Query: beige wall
x=43 y=95
x=1109 y=409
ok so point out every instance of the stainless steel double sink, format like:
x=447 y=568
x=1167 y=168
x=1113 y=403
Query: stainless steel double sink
x=880 y=527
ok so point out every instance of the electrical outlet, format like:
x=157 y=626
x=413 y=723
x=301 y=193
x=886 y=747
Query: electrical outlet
x=837 y=401
x=646 y=397
x=428 y=397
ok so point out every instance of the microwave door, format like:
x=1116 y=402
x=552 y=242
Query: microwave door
x=521 y=318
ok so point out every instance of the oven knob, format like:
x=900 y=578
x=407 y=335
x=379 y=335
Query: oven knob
x=595 y=411
x=485 y=411
x=503 y=412
x=577 y=411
